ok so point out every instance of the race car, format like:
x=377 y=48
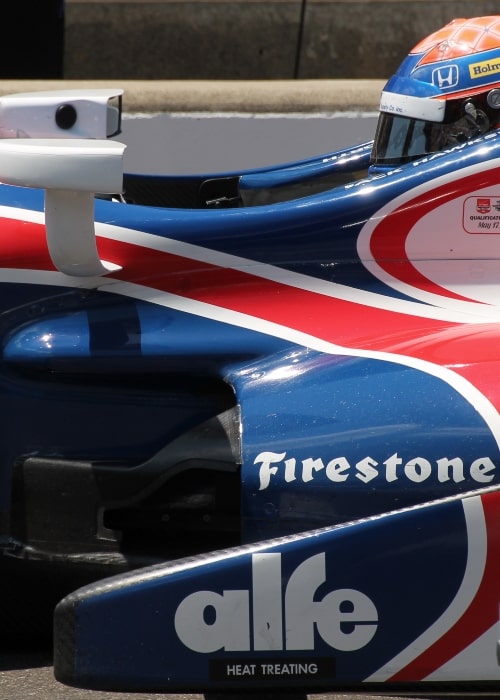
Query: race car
x=252 y=419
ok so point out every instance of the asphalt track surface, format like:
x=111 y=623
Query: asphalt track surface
x=31 y=676
x=184 y=144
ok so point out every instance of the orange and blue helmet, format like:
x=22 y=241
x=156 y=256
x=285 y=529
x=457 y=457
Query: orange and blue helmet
x=446 y=92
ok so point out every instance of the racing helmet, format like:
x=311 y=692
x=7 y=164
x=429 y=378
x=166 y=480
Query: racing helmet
x=446 y=91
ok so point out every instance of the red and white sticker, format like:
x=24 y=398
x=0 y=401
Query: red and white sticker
x=482 y=214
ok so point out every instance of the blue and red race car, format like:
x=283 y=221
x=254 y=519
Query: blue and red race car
x=251 y=420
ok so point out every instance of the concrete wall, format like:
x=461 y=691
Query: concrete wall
x=249 y=39
x=306 y=97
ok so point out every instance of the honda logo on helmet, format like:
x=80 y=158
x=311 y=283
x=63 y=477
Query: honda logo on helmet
x=445 y=77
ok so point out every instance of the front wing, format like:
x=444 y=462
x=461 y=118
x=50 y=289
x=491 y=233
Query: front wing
x=409 y=597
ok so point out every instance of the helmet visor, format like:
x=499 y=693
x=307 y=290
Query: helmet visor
x=399 y=140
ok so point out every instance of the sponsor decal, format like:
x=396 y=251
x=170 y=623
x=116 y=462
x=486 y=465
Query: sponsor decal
x=279 y=466
x=268 y=669
x=479 y=70
x=446 y=76
x=268 y=618
x=483 y=205
x=368 y=181
x=390 y=108
x=482 y=214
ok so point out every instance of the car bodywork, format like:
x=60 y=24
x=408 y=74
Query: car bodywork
x=263 y=406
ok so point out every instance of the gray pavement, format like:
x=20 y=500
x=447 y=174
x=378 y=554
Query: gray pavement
x=32 y=677
x=190 y=143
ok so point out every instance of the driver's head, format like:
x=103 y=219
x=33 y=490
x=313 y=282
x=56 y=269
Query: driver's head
x=445 y=92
